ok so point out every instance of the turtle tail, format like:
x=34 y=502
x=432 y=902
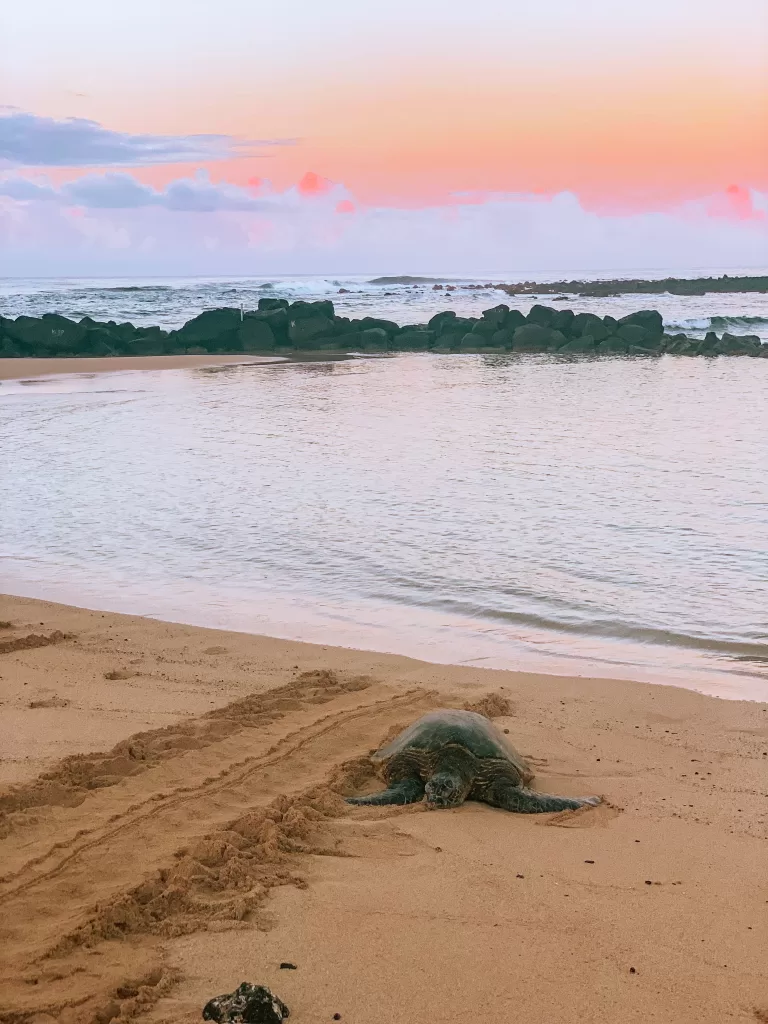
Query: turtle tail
x=526 y=801
x=407 y=791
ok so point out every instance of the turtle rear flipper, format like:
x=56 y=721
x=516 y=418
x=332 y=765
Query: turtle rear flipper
x=407 y=791
x=524 y=801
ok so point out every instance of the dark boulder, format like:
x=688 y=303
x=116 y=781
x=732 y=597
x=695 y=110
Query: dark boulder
x=449 y=341
x=371 y=322
x=738 y=344
x=504 y=338
x=634 y=334
x=277 y=319
x=679 y=345
x=464 y=323
x=650 y=319
x=8 y=350
x=309 y=310
x=213 y=326
x=585 y=343
x=613 y=345
x=709 y=347
x=374 y=339
x=639 y=350
x=515 y=319
x=268 y=304
x=100 y=341
x=587 y=324
x=535 y=338
x=343 y=325
x=49 y=335
x=412 y=341
x=303 y=331
x=255 y=336
x=611 y=323
x=562 y=321
x=438 y=321
x=541 y=315
x=497 y=316
x=484 y=329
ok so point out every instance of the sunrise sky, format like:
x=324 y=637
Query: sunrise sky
x=414 y=135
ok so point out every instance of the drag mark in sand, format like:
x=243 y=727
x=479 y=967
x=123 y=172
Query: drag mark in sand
x=108 y=892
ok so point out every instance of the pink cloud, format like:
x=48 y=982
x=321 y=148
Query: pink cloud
x=313 y=185
x=736 y=203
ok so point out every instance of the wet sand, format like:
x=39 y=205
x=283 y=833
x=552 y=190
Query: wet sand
x=21 y=369
x=172 y=823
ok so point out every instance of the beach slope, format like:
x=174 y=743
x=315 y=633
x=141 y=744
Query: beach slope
x=172 y=823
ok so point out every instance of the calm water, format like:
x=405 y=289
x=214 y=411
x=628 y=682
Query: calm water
x=591 y=517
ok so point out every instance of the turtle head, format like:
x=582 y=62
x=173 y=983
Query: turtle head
x=446 y=789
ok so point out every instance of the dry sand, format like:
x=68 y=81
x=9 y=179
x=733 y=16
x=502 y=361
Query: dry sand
x=198 y=838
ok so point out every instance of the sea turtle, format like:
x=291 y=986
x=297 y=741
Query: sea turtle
x=451 y=755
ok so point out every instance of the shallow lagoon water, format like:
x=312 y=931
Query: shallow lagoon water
x=578 y=516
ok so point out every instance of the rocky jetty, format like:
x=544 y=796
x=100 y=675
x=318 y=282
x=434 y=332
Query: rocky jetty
x=278 y=326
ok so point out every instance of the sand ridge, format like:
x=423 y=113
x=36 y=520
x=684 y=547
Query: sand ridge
x=209 y=841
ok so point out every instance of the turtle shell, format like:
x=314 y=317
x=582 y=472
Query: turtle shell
x=449 y=726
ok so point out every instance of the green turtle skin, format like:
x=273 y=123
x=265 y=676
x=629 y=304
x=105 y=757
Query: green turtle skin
x=449 y=756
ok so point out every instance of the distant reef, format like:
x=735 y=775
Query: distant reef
x=671 y=285
x=618 y=286
x=282 y=327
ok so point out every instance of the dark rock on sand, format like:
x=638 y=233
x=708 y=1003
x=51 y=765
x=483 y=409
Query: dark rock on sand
x=248 y=1004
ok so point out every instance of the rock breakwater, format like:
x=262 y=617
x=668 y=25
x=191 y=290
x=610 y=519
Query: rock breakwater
x=278 y=326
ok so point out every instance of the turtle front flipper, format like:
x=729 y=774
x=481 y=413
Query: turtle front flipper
x=407 y=791
x=524 y=801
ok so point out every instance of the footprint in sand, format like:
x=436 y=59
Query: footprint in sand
x=215 y=650
x=49 y=702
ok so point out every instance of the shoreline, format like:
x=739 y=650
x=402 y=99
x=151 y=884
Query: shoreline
x=651 y=905
x=61 y=367
x=26 y=368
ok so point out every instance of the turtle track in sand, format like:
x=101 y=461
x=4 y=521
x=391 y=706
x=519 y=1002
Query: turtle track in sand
x=76 y=778
x=218 y=811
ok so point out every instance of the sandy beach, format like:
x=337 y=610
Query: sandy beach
x=172 y=824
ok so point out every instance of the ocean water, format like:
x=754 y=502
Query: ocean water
x=590 y=517
x=170 y=302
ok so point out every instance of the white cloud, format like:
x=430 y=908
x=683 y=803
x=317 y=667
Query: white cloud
x=110 y=223
x=116 y=190
x=28 y=140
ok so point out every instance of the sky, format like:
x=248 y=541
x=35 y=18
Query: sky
x=252 y=136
